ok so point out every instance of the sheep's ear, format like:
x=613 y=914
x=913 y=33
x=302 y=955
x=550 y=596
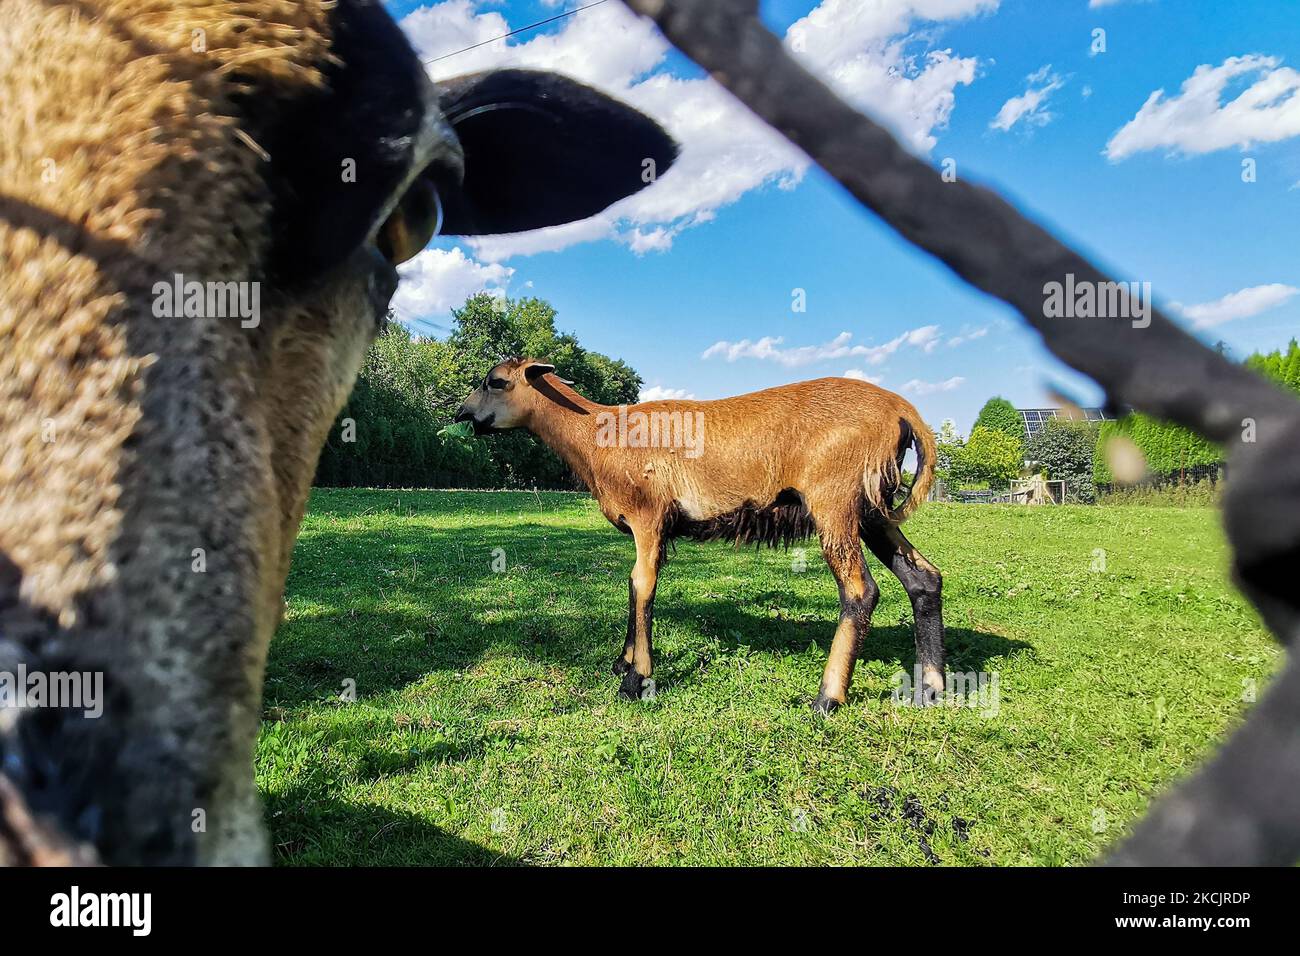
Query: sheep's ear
x=535 y=371
x=541 y=150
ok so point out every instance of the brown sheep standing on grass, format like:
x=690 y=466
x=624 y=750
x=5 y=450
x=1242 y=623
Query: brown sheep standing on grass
x=770 y=467
x=156 y=451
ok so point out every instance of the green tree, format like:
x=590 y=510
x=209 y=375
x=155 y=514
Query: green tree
x=1281 y=367
x=947 y=440
x=1064 y=448
x=1000 y=415
x=488 y=329
x=989 y=457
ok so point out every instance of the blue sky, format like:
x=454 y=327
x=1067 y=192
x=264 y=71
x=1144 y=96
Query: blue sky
x=693 y=281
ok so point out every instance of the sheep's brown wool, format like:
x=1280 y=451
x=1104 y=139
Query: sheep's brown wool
x=155 y=464
x=771 y=467
x=122 y=167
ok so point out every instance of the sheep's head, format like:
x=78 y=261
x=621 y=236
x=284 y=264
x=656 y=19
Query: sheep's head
x=202 y=205
x=506 y=398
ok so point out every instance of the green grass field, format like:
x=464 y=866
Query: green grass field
x=485 y=727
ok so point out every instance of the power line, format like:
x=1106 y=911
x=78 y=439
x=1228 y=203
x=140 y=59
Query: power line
x=531 y=26
x=524 y=29
x=415 y=321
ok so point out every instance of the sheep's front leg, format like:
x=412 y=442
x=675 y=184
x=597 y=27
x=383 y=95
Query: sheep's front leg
x=637 y=651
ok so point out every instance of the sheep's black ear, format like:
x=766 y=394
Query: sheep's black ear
x=541 y=150
x=535 y=371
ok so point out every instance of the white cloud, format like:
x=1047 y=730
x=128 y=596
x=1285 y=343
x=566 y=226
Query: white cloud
x=926 y=338
x=1196 y=121
x=971 y=336
x=658 y=393
x=496 y=248
x=438 y=279
x=1242 y=304
x=658 y=239
x=867 y=51
x=863 y=51
x=862 y=376
x=918 y=387
x=1030 y=107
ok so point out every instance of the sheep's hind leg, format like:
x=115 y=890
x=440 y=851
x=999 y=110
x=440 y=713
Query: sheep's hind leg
x=858 y=596
x=924 y=586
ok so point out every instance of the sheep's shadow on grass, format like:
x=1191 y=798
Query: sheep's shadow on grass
x=397 y=650
x=384 y=610
x=740 y=627
x=383 y=628
x=315 y=829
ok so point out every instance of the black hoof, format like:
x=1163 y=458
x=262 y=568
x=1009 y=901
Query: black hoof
x=825 y=705
x=621 y=666
x=635 y=687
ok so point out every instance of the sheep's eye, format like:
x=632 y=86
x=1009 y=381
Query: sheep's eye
x=497 y=383
x=413 y=224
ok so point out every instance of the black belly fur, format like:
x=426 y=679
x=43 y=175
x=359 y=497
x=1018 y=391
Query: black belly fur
x=779 y=523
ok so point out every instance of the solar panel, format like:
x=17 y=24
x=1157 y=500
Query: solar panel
x=1034 y=419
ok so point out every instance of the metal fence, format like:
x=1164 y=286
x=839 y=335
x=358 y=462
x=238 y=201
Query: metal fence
x=1174 y=479
x=1019 y=493
x=1241 y=808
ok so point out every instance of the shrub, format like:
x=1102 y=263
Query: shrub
x=1204 y=493
x=1171 y=451
x=1064 y=448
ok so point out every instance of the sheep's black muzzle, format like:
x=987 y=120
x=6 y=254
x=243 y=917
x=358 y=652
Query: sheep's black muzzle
x=483 y=427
